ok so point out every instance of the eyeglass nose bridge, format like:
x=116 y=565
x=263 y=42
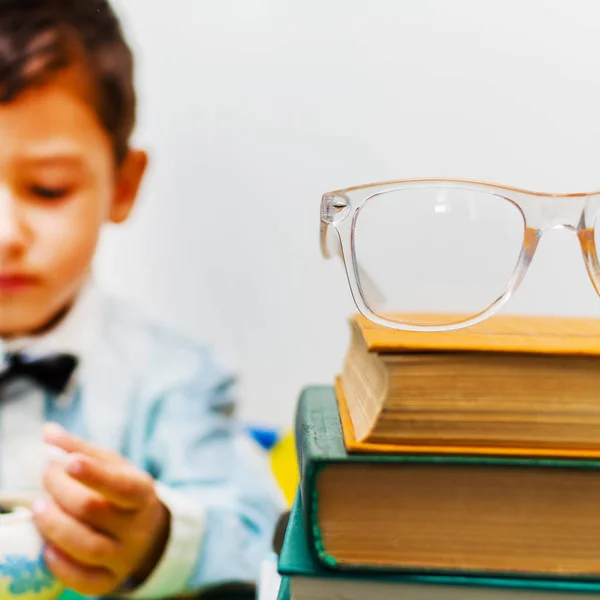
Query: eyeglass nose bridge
x=558 y=212
x=573 y=213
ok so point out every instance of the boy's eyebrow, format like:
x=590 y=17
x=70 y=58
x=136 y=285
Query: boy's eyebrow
x=51 y=160
x=52 y=153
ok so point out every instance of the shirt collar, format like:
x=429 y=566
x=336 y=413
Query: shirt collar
x=75 y=334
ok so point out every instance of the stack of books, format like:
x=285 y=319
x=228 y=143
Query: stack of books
x=453 y=466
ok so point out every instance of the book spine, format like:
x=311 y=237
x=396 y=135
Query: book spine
x=319 y=441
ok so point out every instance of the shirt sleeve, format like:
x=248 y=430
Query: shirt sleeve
x=216 y=483
x=179 y=558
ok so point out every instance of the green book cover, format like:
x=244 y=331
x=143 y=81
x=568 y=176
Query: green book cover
x=284 y=589
x=69 y=595
x=297 y=560
x=320 y=443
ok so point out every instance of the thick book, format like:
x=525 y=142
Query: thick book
x=513 y=385
x=304 y=578
x=445 y=514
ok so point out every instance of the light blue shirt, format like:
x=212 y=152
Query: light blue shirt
x=165 y=404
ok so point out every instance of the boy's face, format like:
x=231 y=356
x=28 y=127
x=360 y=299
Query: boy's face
x=58 y=186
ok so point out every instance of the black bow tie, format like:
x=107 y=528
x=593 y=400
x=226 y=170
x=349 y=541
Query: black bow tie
x=51 y=372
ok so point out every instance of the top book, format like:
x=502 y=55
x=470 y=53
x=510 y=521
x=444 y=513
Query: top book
x=500 y=333
x=509 y=385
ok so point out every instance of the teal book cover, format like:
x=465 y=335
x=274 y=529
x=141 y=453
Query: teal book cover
x=320 y=444
x=284 y=589
x=297 y=560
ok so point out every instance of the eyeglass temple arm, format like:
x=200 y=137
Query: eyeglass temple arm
x=323 y=240
x=368 y=285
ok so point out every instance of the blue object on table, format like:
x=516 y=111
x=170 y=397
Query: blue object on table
x=265 y=437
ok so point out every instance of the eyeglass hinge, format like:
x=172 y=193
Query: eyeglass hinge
x=334 y=208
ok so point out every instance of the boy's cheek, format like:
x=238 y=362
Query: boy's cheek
x=65 y=249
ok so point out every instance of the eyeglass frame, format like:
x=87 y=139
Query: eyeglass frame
x=541 y=212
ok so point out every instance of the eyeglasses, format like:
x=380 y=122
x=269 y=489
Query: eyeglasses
x=443 y=254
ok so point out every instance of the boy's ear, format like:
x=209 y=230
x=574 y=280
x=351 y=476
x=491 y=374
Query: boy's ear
x=129 y=178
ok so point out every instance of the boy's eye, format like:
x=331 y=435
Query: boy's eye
x=49 y=193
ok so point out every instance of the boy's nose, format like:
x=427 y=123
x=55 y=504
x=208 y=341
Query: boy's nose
x=13 y=233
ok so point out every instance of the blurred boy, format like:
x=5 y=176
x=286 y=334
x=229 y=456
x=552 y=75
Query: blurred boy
x=162 y=497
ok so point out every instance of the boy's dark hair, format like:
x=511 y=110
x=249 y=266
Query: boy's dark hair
x=38 y=38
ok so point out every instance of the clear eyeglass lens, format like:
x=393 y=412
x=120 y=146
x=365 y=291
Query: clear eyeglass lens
x=436 y=255
x=594 y=270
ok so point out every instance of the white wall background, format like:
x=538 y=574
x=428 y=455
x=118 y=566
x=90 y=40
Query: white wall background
x=251 y=109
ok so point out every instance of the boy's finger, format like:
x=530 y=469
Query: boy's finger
x=83 y=503
x=73 y=538
x=55 y=435
x=89 y=581
x=122 y=484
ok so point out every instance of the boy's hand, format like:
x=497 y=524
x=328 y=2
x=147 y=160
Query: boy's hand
x=102 y=520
